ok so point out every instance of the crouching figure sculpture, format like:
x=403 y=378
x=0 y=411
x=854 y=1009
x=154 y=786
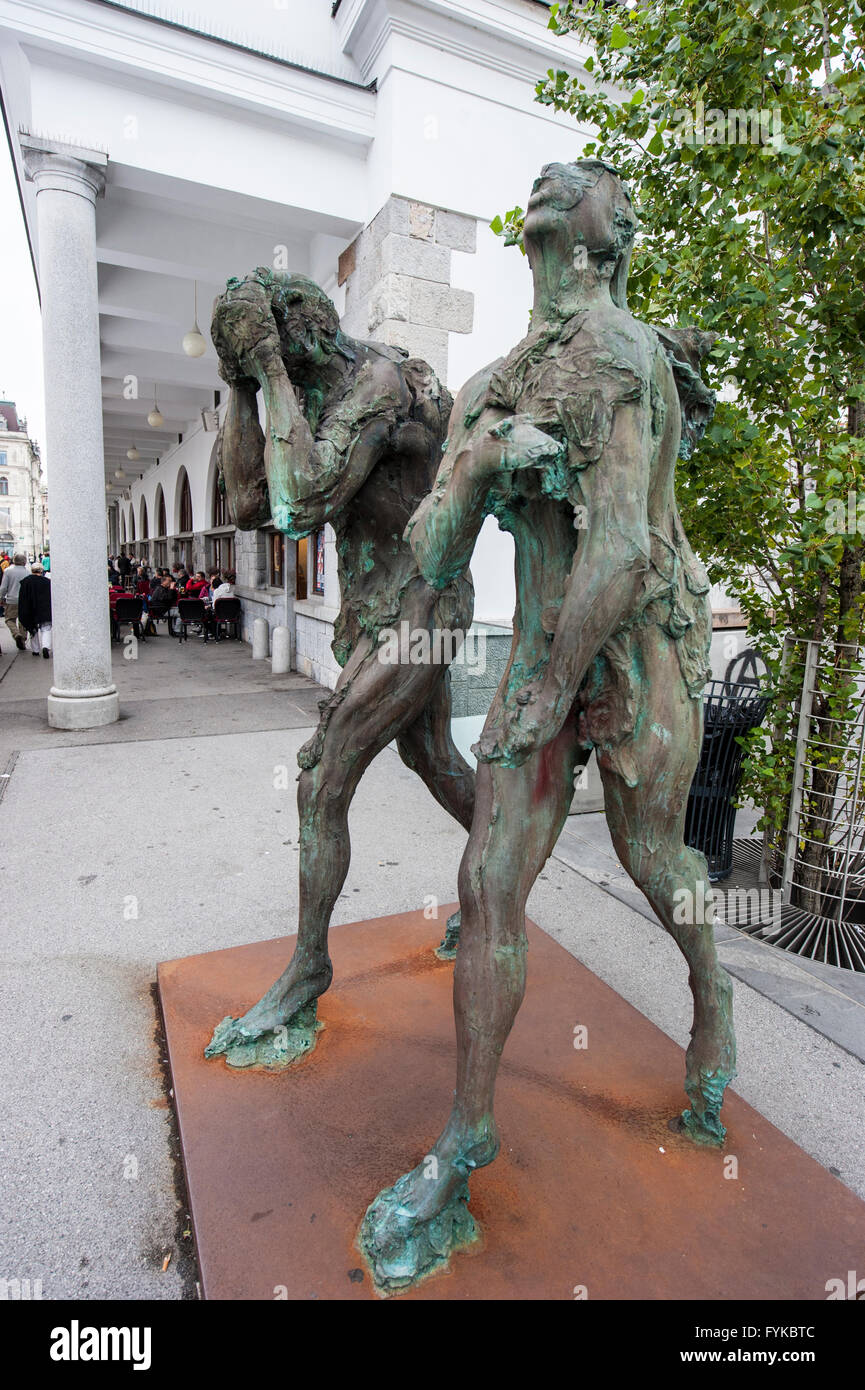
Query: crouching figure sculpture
x=571 y=441
x=354 y=438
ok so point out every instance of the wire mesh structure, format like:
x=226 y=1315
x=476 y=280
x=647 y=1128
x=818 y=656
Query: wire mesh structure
x=818 y=863
x=729 y=711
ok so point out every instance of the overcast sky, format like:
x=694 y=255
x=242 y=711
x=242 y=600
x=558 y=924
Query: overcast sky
x=20 y=324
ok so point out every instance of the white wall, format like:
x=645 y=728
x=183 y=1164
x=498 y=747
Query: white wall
x=193 y=455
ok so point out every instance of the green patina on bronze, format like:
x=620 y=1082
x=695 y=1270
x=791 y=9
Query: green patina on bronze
x=571 y=442
x=354 y=437
x=401 y=1248
x=447 y=947
x=274 y=1050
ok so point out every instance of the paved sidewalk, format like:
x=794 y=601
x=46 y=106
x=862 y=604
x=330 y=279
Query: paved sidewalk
x=175 y=832
x=170 y=690
x=831 y=1000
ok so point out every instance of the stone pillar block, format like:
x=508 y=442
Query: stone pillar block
x=260 y=639
x=456 y=230
x=280 y=660
x=409 y=256
x=440 y=306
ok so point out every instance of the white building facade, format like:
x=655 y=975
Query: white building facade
x=23 y=498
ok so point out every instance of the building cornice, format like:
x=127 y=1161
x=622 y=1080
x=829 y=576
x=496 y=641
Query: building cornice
x=238 y=44
x=524 y=46
x=124 y=41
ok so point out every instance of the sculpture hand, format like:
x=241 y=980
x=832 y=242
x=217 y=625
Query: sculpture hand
x=521 y=730
x=521 y=444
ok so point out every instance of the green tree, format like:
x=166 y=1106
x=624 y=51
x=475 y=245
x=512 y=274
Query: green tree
x=740 y=129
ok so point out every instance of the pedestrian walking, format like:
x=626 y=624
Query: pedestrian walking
x=9 y=587
x=34 y=610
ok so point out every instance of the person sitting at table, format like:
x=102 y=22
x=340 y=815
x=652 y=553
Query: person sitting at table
x=224 y=587
x=196 y=586
x=163 y=598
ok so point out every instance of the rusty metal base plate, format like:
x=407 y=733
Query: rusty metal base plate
x=591 y=1190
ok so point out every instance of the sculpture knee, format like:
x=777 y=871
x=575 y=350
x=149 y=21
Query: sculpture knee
x=493 y=894
x=317 y=793
x=647 y=867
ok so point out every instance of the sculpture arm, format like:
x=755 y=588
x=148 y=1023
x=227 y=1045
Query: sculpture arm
x=482 y=446
x=601 y=593
x=311 y=477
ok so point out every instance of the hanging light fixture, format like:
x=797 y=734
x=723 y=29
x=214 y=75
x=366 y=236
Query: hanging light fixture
x=133 y=454
x=118 y=473
x=155 y=419
x=193 y=341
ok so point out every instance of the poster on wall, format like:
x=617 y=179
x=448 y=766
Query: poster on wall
x=318 y=568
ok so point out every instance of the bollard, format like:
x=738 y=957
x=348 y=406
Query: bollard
x=280 y=660
x=260 y=639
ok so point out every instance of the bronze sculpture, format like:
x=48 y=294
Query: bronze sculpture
x=354 y=437
x=571 y=442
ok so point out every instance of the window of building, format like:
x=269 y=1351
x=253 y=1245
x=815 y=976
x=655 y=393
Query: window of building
x=222 y=552
x=301 y=572
x=4 y=487
x=185 y=505
x=220 y=548
x=161 y=524
x=277 y=559
x=318 y=562
x=3 y=458
x=145 y=530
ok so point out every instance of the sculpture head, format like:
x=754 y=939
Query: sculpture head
x=246 y=315
x=267 y=324
x=307 y=321
x=579 y=227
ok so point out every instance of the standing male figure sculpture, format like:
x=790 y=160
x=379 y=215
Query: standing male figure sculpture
x=354 y=437
x=571 y=441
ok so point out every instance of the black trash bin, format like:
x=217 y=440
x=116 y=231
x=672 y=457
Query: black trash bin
x=729 y=711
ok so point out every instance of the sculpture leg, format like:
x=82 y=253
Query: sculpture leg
x=368 y=709
x=411 y=1229
x=427 y=747
x=647 y=825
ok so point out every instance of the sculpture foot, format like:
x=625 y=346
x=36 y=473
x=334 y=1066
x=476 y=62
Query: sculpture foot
x=447 y=949
x=272 y=1048
x=702 y=1122
x=401 y=1246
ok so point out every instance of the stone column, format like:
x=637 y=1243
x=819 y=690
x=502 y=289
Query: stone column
x=68 y=181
